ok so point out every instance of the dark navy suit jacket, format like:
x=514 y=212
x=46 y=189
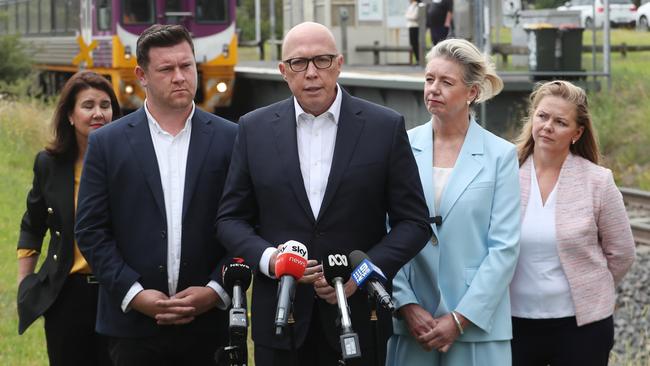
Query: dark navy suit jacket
x=373 y=174
x=121 y=222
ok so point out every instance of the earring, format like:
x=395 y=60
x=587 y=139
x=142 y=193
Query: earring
x=573 y=142
x=469 y=102
x=71 y=123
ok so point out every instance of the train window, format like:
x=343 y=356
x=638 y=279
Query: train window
x=211 y=11
x=11 y=18
x=74 y=18
x=137 y=12
x=46 y=16
x=22 y=18
x=59 y=16
x=104 y=15
x=33 y=16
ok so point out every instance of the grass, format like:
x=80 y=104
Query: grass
x=22 y=132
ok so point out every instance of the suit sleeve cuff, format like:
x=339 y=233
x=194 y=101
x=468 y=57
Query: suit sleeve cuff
x=264 y=261
x=223 y=295
x=134 y=290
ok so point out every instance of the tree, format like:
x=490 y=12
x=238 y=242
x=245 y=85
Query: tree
x=15 y=64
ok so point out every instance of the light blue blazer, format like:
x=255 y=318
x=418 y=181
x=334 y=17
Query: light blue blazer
x=470 y=266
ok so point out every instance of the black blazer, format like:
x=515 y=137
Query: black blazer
x=121 y=222
x=373 y=173
x=50 y=206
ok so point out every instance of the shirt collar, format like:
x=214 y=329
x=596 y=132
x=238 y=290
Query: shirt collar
x=334 y=110
x=156 y=127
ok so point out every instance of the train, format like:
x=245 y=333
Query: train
x=65 y=36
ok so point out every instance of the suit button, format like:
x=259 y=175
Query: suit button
x=163 y=234
x=55 y=257
x=58 y=234
x=50 y=210
x=161 y=269
x=434 y=239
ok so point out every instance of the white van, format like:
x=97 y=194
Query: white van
x=621 y=12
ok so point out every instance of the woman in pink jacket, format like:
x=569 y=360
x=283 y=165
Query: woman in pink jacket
x=576 y=241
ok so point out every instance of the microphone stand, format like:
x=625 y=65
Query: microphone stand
x=374 y=328
x=236 y=352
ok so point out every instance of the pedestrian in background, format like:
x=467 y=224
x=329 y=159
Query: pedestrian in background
x=411 y=16
x=439 y=19
x=64 y=289
x=576 y=241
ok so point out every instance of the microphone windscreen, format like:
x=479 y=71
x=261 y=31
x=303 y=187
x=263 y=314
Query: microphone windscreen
x=336 y=265
x=364 y=269
x=236 y=272
x=291 y=260
x=356 y=257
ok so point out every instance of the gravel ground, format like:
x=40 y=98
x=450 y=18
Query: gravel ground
x=632 y=315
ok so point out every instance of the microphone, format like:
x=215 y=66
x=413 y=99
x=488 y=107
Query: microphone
x=236 y=279
x=289 y=267
x=368 y=275
x=337 y=271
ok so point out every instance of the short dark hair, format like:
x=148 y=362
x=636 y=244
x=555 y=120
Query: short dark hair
x=160 y=35
x=64 y=141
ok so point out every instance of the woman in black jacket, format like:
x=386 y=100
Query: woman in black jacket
x=63 y=290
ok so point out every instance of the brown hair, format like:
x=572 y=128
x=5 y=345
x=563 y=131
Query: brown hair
x=586 y=146
x=160 y=35
x=64 y=141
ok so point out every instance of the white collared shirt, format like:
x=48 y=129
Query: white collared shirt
x=316 y=138
x=171 y=155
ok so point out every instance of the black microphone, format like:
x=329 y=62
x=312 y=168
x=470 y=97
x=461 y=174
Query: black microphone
x=337 y=271
x=236 y=279
x=367 y=275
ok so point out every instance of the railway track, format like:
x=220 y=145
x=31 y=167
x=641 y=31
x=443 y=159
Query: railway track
x=638 y=206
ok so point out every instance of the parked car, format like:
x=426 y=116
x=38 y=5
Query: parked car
x=621 y=12
x=643 y=17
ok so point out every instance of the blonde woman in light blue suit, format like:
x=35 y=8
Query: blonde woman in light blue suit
x=452 y=298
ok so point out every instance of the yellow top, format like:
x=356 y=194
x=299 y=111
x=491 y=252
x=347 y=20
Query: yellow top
x=79 y=265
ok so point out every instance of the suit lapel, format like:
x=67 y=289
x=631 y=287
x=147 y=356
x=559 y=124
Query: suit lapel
x=284 y=130
x=468 y=165
x=422 y=144
x=349 y=129
x=202 y=131
x=139 y=138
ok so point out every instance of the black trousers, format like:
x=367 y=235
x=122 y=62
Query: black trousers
x=70 y=325
x=560 y=342
x=438 y=34
x=414 y=35
x=317 y=351
x=173 y=346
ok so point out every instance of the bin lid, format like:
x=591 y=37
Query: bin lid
x=533 y=26
x=570 y=26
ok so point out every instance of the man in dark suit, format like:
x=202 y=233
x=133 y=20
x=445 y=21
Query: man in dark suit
x=148 y=199
x=323 y=168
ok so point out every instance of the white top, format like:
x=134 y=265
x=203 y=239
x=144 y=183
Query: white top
x=440 y=179
x=171 y=155
x=411 y=15
x=539 y=289
x=316 y=137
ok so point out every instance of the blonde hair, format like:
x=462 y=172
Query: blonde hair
x=586 y=146
x=478 y=69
